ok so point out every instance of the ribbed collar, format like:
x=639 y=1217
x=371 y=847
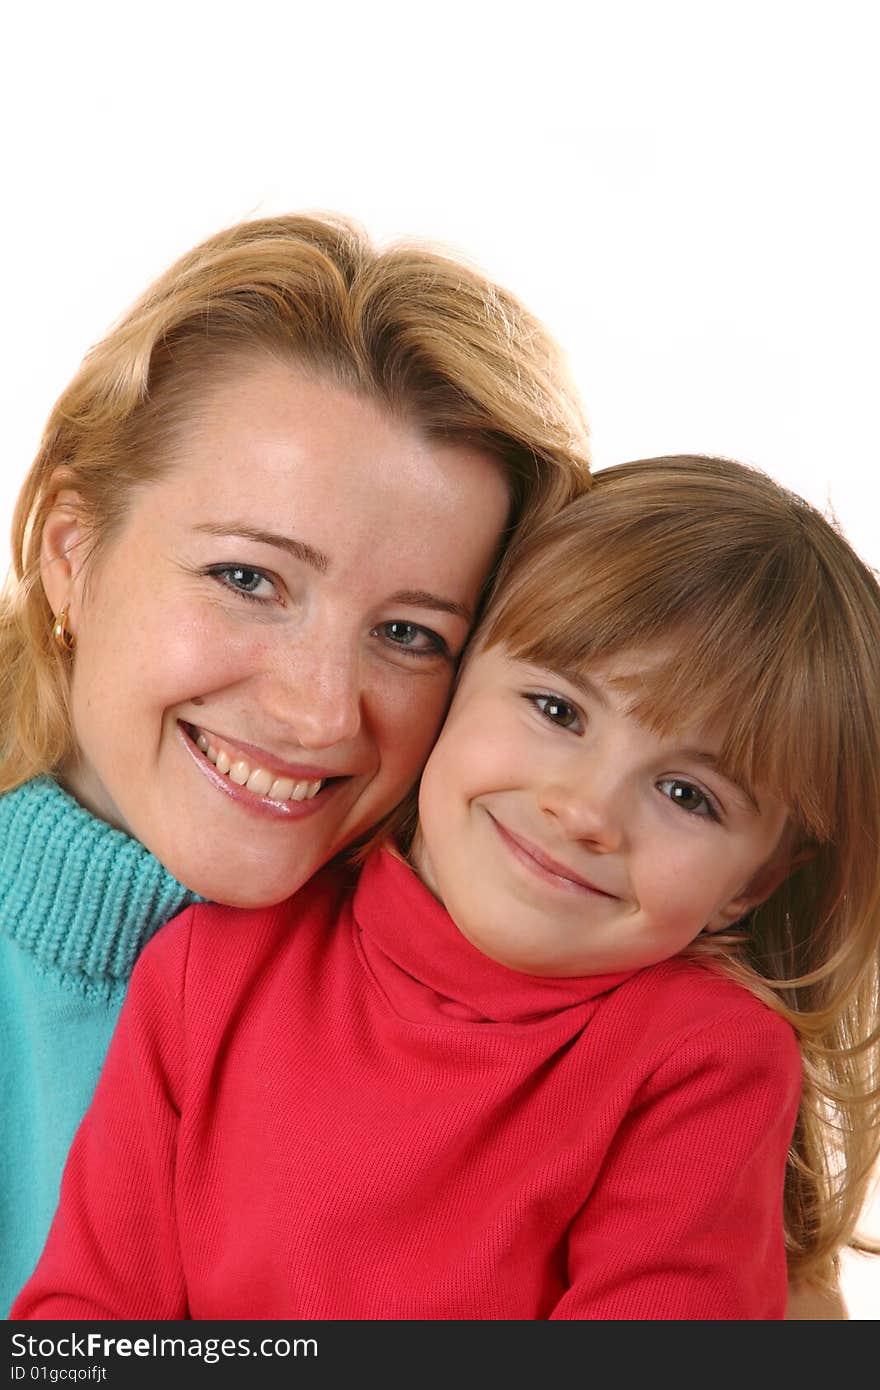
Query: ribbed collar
x=432 y=974
x=82 y=897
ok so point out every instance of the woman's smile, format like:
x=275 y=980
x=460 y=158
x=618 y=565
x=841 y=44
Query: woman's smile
x=258 y=781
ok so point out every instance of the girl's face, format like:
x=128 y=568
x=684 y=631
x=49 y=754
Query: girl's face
x=566 y=838
x=265 y=650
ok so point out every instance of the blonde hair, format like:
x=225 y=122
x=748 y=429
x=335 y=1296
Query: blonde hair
x=774 y=626
x=424 y=335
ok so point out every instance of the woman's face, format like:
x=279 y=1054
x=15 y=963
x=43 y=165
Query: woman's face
x=265 y=649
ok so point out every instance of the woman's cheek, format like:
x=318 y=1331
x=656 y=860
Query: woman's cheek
x=208 y=653
x=409 y=709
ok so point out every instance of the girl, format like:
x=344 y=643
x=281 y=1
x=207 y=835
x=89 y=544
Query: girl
x=605 y=1047
x=239 y=524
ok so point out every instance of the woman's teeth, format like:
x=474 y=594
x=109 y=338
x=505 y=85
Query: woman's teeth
x=256 y=779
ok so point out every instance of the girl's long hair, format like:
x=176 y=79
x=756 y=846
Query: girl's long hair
x=772 y=625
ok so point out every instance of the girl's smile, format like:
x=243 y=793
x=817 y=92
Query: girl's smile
x=545 y=867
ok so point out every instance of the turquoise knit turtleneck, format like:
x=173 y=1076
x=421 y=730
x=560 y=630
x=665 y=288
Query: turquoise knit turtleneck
x=78 y=901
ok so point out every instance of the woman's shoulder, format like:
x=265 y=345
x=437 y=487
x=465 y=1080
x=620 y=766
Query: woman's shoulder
x=79 y=898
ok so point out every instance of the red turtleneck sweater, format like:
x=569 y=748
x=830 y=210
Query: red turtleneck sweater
x=338 y=1108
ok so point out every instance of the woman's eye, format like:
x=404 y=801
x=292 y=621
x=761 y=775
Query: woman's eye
x=415 y=640
x=243 y=580
x=558 y=711
x=688 y=797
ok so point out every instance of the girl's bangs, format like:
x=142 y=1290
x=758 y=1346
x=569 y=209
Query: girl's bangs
x=734 y=642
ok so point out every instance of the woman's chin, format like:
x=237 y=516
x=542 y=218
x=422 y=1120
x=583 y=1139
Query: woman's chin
x=238 y=884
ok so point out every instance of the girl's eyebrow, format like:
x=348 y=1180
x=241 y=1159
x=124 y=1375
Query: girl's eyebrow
x=317 y=560
x=581 y=682
x=701 y=755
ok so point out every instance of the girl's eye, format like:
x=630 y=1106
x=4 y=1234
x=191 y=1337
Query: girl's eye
x=243 y=580
x=412 y=639
x=558 y=711
x=688 y=797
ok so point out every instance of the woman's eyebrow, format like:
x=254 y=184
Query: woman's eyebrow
x=421 y=598
x=301 y=550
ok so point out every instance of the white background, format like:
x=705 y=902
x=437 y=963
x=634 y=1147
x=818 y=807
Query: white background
x=685 y=192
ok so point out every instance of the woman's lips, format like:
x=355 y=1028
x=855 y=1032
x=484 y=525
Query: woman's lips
x=544 y=866
x=258 y=757
x=304 y=794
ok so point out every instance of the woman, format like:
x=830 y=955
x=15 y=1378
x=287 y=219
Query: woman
x=246 y=561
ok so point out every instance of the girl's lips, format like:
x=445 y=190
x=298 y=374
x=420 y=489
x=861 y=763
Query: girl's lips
x=546 y=867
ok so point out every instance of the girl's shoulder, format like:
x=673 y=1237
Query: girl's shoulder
x=212 y=943
x=322 y=896
x=688 y=1007
x=213 y=968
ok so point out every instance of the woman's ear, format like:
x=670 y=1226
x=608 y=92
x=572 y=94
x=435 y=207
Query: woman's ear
x=62 y=549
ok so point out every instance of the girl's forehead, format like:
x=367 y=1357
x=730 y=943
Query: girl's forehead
x=629 y=673
x=620 y=684
x=632 y=681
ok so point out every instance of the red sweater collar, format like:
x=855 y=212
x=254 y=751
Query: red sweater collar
x=432 y=974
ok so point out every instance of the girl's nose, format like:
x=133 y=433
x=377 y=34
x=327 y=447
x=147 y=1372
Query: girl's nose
x=585 y=809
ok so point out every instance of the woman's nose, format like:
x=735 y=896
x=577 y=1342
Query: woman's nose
x=585 y=808
x=316 y=693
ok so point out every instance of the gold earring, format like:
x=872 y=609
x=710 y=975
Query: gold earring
x=62 y=633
